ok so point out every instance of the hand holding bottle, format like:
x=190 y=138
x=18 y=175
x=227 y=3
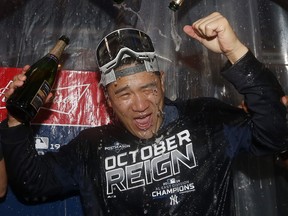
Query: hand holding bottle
x=17 y=82
x=30 y=89
x=215 y=33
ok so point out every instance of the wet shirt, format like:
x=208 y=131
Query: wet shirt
x=184 y=170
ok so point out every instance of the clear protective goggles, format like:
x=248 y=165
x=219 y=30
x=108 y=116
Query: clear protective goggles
x=120 y=44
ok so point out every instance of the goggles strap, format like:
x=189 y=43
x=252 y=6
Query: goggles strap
x=150 y=65
x=130 y=70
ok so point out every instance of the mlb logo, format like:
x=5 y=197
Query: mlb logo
x=41 y=143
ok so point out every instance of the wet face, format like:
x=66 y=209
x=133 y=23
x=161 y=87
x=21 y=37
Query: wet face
x=137 y=100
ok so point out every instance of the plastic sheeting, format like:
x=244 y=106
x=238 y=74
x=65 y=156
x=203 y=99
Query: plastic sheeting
x=29 y=28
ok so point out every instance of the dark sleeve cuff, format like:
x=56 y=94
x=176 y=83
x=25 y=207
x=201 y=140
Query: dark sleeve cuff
x=241 y=72
x=14 y=134
x=249 y=72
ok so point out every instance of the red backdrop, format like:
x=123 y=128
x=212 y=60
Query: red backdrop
x=78 y=99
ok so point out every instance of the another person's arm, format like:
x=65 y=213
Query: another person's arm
x=3 y=176
x=3 y=179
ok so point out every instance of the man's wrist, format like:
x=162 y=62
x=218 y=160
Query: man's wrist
x=236 y=55
x=12 y=122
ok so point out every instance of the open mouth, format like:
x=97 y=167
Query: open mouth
x=144 y=122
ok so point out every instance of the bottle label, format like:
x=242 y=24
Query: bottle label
x=41 y=95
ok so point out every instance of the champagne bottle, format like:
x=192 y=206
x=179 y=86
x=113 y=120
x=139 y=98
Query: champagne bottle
x=26 y=100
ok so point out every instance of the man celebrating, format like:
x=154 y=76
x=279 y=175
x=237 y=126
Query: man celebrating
x=158 y=157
